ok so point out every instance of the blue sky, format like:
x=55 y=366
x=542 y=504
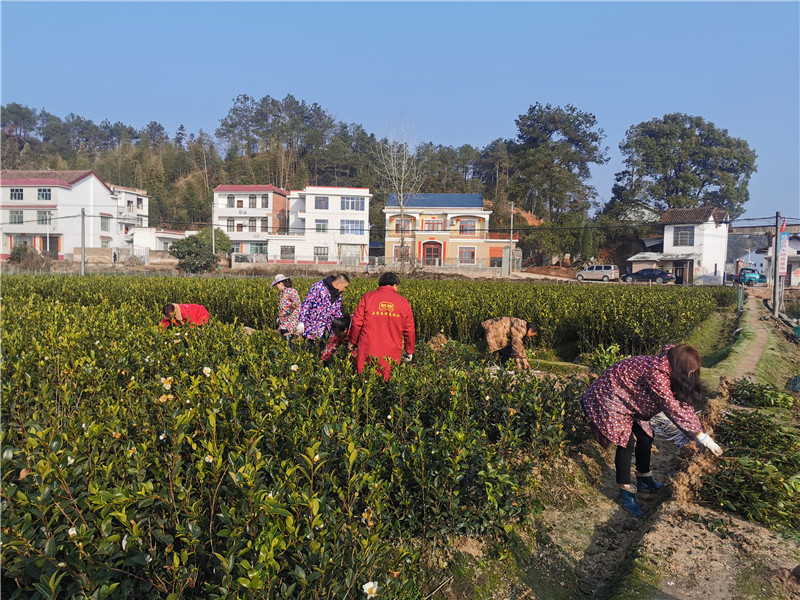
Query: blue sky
x=451 y=73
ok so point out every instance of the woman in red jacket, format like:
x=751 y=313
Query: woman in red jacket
x=184 y=314
x=383 y=326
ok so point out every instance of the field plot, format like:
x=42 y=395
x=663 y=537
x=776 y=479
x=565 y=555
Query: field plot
x=213 y=464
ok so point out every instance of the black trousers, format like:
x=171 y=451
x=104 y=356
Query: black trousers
x=641 y=444
x=505 y=354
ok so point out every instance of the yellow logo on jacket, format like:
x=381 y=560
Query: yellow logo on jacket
x=386 y=306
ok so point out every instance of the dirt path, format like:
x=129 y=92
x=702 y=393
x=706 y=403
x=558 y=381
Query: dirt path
x=747 y=365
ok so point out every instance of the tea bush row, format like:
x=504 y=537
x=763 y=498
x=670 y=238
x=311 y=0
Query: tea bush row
x=639 y=319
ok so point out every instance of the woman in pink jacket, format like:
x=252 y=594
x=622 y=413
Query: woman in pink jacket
x=621 y=402
x=183 y=314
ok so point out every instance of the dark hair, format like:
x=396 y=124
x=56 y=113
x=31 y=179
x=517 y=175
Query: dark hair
x=684 y=376
x=342 y=276
x=168 y=310
x=388 y=278
x=340 y=325
x=286 y=283
x=533 y=327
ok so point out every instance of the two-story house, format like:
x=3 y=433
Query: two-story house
x=695 y=246
x=436 y=230
x=43 y=209
x=322 y=225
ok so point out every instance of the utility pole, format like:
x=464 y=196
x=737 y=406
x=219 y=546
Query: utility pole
x=213 y=224
x=511 y=242
x=775 y=267
x=83 y=241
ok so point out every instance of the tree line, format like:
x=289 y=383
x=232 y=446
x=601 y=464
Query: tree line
x=674 y=161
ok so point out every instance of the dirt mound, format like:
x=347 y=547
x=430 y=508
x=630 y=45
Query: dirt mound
x=552 y=271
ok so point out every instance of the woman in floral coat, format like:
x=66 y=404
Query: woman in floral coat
x=621 y=402
x=288 y=306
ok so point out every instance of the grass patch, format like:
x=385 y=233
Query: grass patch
x=775 y=362
x=752 y=583
x=642 y=581
x=714 y=339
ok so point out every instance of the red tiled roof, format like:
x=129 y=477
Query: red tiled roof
x=251 y=188
x=691 y=216
x=46 y=177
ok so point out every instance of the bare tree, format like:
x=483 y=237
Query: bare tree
x=398 y=172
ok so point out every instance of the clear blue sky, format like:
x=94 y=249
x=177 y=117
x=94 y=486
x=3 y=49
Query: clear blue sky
x=452 y=73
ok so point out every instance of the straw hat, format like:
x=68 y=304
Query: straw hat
x=278 y=278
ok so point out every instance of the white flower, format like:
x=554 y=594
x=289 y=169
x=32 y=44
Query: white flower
x=207 y=371
x=294 y=367
x=166 y=382
x=270 y=496
x=316 y=457
x=84 y=426
x=390 y=416
x=70 y=460
x=487 y=397
x=162 y=437
x=125 y=542
x=72 y=532
x=61 y=565
x=133 y=378
x=209 y=458
x=370 y=589
x=148 y=558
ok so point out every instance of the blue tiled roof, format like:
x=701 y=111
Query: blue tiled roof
x=438 y=201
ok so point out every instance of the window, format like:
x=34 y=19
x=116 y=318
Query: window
x=251 y=224
x=258 y=248
x=15 y=217
x=321 y=202
x=239 y=203
x=16 y=193
x=467 y=227
x=43 y=217
x=401 y=252
x=230 y=201
x=240 y=227
x=683 y=236
x=466 y=255
x=352 y=203
x=252 y=201
x=403 y=224
x=130 y=205
x=139 y=221
x=353 y=227
x=287 y=252
x=167 y=245
x=264 y=224
x=43 y=194
x=265 y=201
x=321 y=225
x=105 y=223
x=139 y=203
x=105 y=243
x=230 y=224
x=321 y=252
x=434 y=225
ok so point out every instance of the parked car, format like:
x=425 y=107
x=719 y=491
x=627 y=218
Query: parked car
x=749 y=277
x=656 y=275
x=599 y=272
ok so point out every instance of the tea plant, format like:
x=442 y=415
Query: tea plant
x=749 y=393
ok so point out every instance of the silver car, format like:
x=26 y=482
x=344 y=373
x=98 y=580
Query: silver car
x=599 y=272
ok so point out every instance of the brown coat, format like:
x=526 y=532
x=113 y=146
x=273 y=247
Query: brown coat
x=502 y=331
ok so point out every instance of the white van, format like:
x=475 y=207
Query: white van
x=599 y=272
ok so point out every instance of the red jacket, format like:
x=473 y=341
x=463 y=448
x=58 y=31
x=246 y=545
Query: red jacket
x=191 y=314
x=381 y=327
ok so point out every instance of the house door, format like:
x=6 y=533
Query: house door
x=679 y=271
x=432 y=254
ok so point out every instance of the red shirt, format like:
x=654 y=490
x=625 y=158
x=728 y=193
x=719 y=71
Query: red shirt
x=636 y=389
x=192 y=315
x=382 y=326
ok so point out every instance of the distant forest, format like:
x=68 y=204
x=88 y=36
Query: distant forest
x=674 y=161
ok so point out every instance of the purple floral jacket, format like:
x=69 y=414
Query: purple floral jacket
x=318 y=311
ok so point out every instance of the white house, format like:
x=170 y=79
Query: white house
x=43 y=209
x=792 y=276
x=323 y=225
x=695 y=246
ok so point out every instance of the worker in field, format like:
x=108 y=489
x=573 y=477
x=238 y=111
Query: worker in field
x=506 y=336
x=288 y=307
x=621 y=402
x=383 y=327
x=183 y=314
x=322 y=303
x=340 y=334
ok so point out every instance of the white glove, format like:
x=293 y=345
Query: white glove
x=705 y=440
x=300 y=328
x=408 y=357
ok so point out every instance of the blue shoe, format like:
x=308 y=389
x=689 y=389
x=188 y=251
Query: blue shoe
x=628 y=502
x=647 y=484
